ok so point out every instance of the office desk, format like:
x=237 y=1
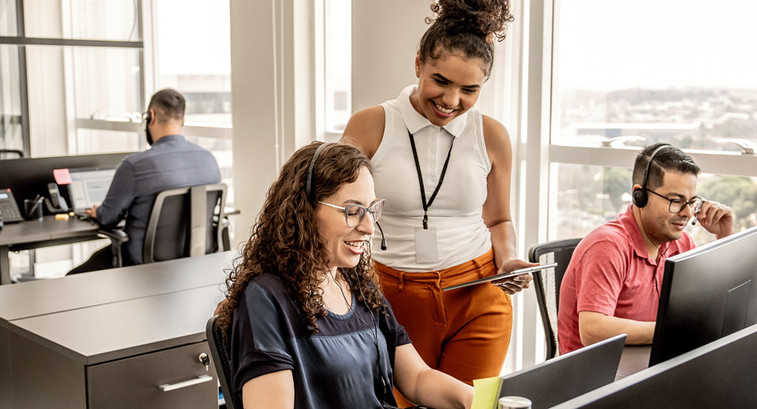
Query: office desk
x=635 y=358
x=42 y=297
x=110 y=338
x=41 y=233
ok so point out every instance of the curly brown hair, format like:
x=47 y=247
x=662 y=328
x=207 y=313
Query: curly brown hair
x=285 y=240
x=466 y=27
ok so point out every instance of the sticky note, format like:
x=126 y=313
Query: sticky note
x=62 y=177
x=485 y=392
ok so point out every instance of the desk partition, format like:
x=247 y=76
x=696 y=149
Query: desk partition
x=27 y=177
x=721 y=374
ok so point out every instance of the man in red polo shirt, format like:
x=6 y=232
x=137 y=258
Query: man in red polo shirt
x=612 y=283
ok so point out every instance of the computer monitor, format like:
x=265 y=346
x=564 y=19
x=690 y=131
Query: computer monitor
x=89 y=187
x=706 y=293
x=566 y=376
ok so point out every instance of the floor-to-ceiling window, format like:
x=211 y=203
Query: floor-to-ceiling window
x=629 y=74
x=75 y=76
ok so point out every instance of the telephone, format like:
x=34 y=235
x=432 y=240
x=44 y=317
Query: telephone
x=9 y=211
x=56 y=203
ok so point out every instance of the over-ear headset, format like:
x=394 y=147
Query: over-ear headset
x=309 y=188
x=640 y=196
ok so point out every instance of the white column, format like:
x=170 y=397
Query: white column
x=385 y=37
x=272 y=95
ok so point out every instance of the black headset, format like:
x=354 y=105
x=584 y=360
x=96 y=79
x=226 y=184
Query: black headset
x=310 y=187
x=640 y=196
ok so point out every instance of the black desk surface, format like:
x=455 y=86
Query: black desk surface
x=41 y=297
x=44 y=230
x=122 y=329
x=41 y=233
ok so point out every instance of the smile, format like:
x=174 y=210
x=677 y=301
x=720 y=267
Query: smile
x=443 y=110
x=355 y=246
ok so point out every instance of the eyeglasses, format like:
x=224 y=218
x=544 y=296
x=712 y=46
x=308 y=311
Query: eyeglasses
x=677 y=205
x=355 y=213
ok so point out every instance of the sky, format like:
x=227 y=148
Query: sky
x=657 y=43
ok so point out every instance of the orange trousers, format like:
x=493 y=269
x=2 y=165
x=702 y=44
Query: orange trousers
x=465 y=332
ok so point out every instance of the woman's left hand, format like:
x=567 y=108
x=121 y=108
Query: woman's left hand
x=518 y=283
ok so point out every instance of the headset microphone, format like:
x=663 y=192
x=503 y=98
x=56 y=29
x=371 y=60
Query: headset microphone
x=383 y=240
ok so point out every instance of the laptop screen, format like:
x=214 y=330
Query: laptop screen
x=89 y=187
x=566 y=376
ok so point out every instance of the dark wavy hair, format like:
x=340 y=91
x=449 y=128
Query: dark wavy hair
x=467 y=27
x=285 y=240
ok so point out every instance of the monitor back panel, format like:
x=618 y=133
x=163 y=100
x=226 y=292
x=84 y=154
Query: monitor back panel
x=706 y=294
x=567 y=376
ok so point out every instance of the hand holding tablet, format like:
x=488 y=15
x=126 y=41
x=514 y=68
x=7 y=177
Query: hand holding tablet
x=501 y=276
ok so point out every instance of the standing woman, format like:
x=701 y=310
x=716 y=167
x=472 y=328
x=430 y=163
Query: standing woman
x=444 y=170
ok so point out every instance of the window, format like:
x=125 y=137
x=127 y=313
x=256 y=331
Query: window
x=630 y=74
x=338 y=65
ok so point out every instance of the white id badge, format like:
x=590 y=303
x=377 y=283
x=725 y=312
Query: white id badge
x=425 y=245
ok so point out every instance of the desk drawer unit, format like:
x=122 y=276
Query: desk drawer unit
x=172 y=378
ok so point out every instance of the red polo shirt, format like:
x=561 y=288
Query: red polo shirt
x=611 y=273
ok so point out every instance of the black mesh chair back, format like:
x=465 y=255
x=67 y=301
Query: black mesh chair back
x=547 y=284
x=219 y=351
x=185 y=222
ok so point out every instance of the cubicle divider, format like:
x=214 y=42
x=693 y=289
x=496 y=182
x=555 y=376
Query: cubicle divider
x=28 y=177
x=721 y=374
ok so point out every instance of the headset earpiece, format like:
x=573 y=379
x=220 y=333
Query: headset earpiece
x=640 y=197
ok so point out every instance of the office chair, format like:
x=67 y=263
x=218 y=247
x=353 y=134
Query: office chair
x=11 y=154
x=219 y=351
x=547 y=284
x=184 y=222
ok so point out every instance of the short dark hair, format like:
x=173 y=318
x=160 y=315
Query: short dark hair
x=668 y=158
x=168 y=102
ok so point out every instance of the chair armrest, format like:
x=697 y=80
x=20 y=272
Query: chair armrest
x=115 y=235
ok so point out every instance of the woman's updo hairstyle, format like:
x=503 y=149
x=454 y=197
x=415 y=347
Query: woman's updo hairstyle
x=466 y=27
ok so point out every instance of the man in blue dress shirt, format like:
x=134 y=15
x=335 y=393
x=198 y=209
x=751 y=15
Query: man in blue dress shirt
x=171 y=162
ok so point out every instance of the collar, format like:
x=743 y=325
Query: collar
x=634 y=232
x=167 y=138
x=414 y=121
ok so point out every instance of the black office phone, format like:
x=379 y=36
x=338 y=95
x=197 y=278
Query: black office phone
x=8 y=207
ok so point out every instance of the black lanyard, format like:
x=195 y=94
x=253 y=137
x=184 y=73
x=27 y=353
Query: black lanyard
x=426 y=205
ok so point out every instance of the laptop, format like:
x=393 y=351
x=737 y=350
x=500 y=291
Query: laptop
x=563 y=378
x=88 y=187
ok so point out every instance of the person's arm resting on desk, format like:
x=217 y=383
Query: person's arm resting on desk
x=270 y=391
x=595 y=326
x=603 y=274
x=119 y=198
x=419 y=383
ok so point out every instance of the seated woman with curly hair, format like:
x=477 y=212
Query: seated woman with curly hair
x=306 y=321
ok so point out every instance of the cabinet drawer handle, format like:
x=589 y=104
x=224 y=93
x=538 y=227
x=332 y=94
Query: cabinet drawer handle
x=171 y=386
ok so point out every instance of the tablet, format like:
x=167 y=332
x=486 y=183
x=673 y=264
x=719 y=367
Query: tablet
x=501 y=276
